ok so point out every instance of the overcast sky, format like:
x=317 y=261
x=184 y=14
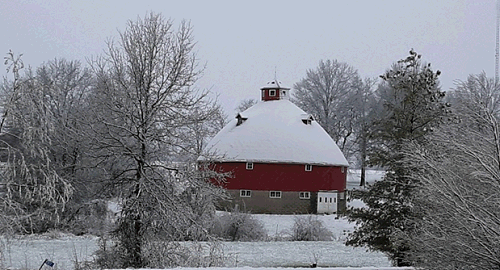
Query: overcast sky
x=243 y=43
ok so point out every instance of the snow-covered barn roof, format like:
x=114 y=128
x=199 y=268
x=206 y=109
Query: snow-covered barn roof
x=274 y=132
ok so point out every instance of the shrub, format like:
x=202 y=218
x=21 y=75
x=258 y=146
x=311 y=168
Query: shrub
x=238 y=226
x=90 y=218
x=108 y=256
x=164 y=254
x=310 y=228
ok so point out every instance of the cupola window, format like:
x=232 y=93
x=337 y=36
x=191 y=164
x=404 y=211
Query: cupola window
x=272 y=93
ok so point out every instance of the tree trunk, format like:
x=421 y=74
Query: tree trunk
x=362 y=183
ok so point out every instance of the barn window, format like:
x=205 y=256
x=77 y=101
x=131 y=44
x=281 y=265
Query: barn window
x=249 y=165
x=307 y=119
x=309 y=167
x=272 y=93
x=305 y=195
x=319 y=199
x=330 y=200
x=342 y=169
x=245 y=193
x=283 y=93
x=275 y=194
x=240 y=119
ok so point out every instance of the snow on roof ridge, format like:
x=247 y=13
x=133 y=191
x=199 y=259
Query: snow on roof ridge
x=274 y=84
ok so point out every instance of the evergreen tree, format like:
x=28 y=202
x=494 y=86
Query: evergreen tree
x=411 y=107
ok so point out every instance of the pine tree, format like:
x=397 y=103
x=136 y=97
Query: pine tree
x=412 y=107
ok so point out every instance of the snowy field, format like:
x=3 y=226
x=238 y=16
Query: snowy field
x=29 y=252
x=354 y=176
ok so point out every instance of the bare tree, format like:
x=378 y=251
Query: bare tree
x=460 y=175
x=481 y=90
x=245 y=104
x=144 y=99
x=364 y=102
x=327 y=92
x=39 y=141
x=193 y=137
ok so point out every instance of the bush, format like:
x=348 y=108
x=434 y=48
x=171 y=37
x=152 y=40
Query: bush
x=90 y=218
x=108 y=256
x=163 y=254
x=237 y=226
x=310 y=228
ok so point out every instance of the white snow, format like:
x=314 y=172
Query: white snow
x=322 y=268
x=300 y=254
x=353 y=181
x=275 y=85
x=29 y=252
x=274 y=132
x=279 y=226
x=354 y=177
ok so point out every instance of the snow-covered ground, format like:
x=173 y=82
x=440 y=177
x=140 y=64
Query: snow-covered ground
x=323 y=268
x=29 y=252
x=300 y=254
x=354 y=176
x=281 y=225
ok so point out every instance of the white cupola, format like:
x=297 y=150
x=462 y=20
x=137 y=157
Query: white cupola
x=274 y=90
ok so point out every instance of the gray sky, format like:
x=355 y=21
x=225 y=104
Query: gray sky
x=244 y=42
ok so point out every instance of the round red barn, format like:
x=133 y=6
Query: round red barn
x=281 y=160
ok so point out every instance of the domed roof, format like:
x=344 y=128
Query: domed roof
x=274 y=132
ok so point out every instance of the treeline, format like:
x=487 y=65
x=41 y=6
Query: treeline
x=128 y=126
x=438 y=206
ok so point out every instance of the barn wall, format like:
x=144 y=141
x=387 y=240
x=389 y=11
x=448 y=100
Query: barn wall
x=283 y=177
x=260 y=203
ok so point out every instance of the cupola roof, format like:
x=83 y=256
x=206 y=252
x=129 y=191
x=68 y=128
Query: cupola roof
x=274 y=85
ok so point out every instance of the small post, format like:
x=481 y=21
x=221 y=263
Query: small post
x=42 y=264
x=47 y=262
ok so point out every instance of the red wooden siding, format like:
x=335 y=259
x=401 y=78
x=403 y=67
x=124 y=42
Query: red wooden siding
x=266 y=96
x=283 y=177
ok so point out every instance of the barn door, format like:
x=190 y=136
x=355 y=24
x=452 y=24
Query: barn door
x=327 y=202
